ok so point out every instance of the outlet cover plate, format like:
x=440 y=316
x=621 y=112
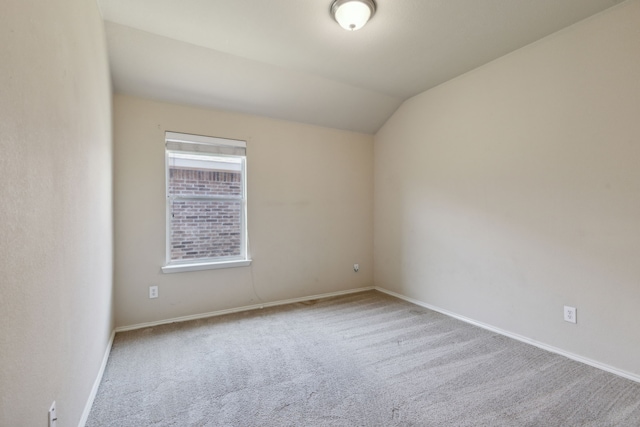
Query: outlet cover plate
x=153 y=291
x=570 y=314
x=53 y=418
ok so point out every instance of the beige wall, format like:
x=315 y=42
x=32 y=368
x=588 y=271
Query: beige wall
x=56 y=211
x=515 y=189
x=310 y=205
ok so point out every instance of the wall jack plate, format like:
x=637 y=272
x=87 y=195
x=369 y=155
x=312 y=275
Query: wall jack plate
x=570 y=314
x=53 y=418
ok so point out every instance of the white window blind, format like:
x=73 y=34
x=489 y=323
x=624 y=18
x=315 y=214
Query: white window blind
x=204 y=144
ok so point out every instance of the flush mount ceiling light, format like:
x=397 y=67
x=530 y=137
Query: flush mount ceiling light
x=352 y=14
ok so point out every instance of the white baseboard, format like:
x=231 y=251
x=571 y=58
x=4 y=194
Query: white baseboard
x=552 y=349
x=240 y=309
x=96 y=383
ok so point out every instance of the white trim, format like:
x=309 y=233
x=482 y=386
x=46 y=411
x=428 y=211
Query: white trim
x=197 y=266
x=167 y=210
x=241 y=309
x=244 y=248
x=96 y=383
x=552 y=349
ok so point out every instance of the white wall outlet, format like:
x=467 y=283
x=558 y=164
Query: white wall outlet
x=52 y=415
x=570 y=314
x=356 y=267
x=153 y=291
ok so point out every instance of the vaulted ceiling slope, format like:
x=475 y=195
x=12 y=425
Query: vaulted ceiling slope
x=288 y=59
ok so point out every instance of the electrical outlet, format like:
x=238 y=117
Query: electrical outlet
x=52 y=415
x=356 y=267
x=570 y=314
x=153 y=291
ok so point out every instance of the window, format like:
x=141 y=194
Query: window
x=206 y=203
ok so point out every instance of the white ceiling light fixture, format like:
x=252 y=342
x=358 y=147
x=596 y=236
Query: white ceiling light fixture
x=352 y=14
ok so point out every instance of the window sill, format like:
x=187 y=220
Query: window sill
x=197 y=266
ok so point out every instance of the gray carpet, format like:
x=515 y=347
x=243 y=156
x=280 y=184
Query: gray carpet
x=365 y=359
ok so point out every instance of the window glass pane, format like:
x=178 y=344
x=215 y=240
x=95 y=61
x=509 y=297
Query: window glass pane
x=198 y=175
x=205 y=229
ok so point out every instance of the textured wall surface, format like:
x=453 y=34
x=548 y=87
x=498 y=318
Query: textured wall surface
x=513 y=190
x=56 y=208
x=309 y=207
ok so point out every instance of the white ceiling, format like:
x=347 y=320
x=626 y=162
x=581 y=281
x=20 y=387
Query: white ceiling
x=288 y=59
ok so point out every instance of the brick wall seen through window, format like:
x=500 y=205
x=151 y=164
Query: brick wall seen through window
x=205 y=228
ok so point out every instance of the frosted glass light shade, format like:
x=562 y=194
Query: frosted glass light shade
x=352 y=14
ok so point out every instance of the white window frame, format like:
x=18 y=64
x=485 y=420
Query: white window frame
x=206 y=146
